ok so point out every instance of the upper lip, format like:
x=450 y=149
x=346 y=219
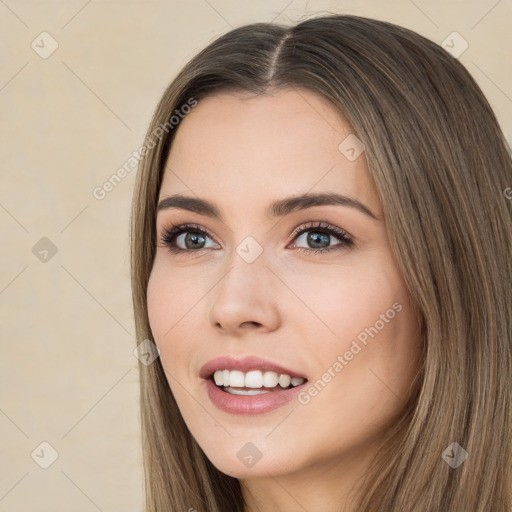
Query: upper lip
x=244 y=364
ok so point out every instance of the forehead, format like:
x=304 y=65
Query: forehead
x=244 y=147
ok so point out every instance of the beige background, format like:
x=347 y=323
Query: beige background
x=69 y=121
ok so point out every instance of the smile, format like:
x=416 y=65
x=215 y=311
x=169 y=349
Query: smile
x=249 y=385
x=254 y=382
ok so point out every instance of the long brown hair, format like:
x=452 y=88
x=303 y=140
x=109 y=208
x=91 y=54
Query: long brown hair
x=440 y=164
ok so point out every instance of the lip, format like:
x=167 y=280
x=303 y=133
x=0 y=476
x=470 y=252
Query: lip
x=248 y=404
x=245 y=364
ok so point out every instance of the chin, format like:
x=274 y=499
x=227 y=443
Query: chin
x=245 y=460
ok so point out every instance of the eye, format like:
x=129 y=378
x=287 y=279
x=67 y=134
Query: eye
x=319 y=237
x=193 y=238
x=185 y=238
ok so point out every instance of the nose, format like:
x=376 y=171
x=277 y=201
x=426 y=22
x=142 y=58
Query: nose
x=245 y=299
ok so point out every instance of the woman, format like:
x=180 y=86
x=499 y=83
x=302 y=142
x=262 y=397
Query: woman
x=321 y=253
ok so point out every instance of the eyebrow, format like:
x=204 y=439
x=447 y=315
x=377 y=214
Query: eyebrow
x=279 y=208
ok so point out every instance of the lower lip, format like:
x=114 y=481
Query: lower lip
x=250 y=404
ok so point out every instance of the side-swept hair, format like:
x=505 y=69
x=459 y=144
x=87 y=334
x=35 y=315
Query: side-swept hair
x=440 y=164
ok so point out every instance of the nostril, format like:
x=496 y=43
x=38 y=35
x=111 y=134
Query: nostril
x=256 y=324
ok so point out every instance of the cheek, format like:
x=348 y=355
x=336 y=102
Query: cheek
x=159 y=308
x=368 y=312
x=345 y=302
x=167 y=317
x=170 y=298
x=377 y=316
x=363 y=372
x=174 y=300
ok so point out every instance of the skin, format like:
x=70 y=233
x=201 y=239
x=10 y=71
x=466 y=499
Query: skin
x=295 y=308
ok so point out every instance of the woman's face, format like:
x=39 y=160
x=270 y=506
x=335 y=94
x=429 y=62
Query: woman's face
x=251 y=285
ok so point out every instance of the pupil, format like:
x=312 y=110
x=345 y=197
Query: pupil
x=193 y=239
x=315 y=238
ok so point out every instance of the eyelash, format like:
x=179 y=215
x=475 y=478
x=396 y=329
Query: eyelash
x=346 y=240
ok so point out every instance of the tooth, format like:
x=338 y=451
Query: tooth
x=236 y=379
x=218 y=377
x=284 y=380
x=270 y=379
x=246 y=391
x=254 y=379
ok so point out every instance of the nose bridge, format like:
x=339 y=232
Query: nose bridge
x=247 y=266
x=243 y=295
